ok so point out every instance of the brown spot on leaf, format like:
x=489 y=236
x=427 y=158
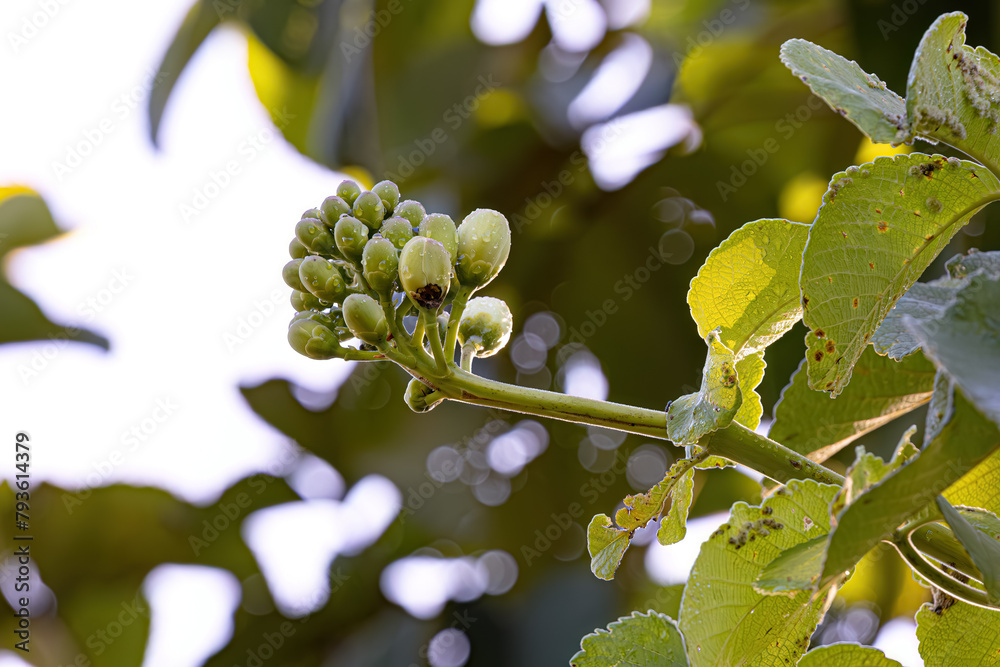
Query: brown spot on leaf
x=820 y=333
x=855 y=302
x=871 y=266
x=818 y=356
x=883 y=226
x=830 y=347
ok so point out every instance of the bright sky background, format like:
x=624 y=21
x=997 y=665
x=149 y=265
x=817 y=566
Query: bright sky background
x=168 y=291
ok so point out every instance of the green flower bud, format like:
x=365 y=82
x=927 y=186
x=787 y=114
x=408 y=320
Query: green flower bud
x=332 y=208
x=425 y=271
x=312 y=213
x=323 y=279
x=348 y=191
x=365 y=319
x=314 y=236
x=320 y=318
x=397 y=230
x=486 y=325
x=296 y=250
x=441 y=227
x=290 y=274
x=412 y=211
x=302 y=301
x=368 y=208
x=351 y=236
x=380 y=262
x=483 y=246
x=312 y=339
x=388 y=193
x=416 y=396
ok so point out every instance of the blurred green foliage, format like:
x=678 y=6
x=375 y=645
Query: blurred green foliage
x=366 y=106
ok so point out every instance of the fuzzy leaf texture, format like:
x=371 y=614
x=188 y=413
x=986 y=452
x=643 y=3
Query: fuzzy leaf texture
x=879 y=228
x=640 y=640
x=958 y=636
x=725 y=621
x=861 y=97
x=846 y=655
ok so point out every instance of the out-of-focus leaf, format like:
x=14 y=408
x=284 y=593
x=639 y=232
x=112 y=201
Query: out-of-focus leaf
x=643 y=640
x=724 y=620
x=951 y=91
x=846 y=655
x=712 y=407
x=749 y=285
x=879 y=228
x=982 y=547
x=861 y=97
x=812 y=423
x=959 y=635
x=201 y=20
x=25 y=220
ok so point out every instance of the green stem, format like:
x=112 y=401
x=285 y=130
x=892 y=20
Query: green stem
x=434 y=336
x=457 y=308
x=468 y=354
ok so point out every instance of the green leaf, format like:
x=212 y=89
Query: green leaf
x=812 y=423
x=201 y=20
x=980 y=488
x=674 y=525
x=869 y=469
x=846 y=655
x=981 y=547
x=606 y=545
x=952 y=91
x=715 y=405
x=748 y=287
x=25 y=220
x=639 y=640
x=725 y=621
x=958 y=636
x=962 y=443
x=750 y=371
x=965 y=342
x=795 y=569
x=879 y=228
x=861 y=97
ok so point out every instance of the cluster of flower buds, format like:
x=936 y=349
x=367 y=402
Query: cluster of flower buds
x=364 y=260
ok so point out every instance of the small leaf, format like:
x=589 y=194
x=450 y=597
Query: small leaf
x=748 y=287
x=869 y=469
x=640 y=640
x=715 y=405
x=879 y=228
x=958 y=636
x=965 y=342
x=812 y=423
x=674 y=525
x=725 y=621
x=606 y=545
x=982 y=548
x=201 y=20
x=861 y=97
x=966 y=440
x=846 y=655
x=952 y=91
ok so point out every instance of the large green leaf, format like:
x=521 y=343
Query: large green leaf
x=965 y=342
x=964 y=441
x=982 y=547
x=922 y=301
x=712 y=407
x=846 y=655
x=958 y=636
x=639 y=640
x=725 y=621
x=952 y=92
x=861 y=97
x=879 y=228
x=748 y=287
x=812 y=423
